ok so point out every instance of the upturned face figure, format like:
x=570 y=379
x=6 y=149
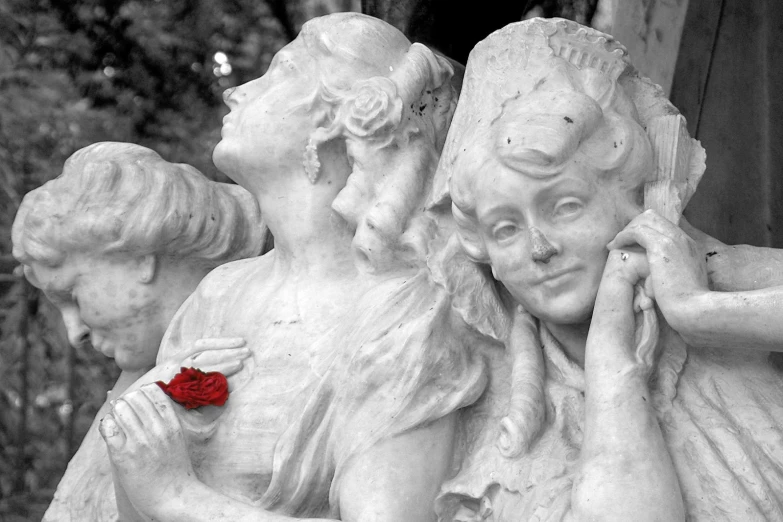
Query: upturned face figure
x=539 y=200
x=270 y=121
x=352 y=117
x=106 y=301
x=306 y=88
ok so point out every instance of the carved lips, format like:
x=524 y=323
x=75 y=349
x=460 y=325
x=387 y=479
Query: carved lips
x=193 y=388
x=553 y=277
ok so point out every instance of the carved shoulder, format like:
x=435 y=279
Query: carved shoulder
x=206 y=303
x=224 y=279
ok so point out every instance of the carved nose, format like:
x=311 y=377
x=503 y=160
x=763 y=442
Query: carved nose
x=543 y=250
x=78 y=332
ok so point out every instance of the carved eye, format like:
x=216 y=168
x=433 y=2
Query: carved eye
x=504 y=231
x=568 y=207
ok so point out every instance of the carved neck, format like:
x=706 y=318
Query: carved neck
x=573 y=339
x=309 y=235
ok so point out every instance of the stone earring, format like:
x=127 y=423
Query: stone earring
x=312 y=165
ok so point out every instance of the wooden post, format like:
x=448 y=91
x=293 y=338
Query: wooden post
x=651 y=31
x=727 y=86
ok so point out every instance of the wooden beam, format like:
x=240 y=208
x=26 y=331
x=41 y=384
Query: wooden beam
x=694 y=62
x=726 y=87
x=651 y=31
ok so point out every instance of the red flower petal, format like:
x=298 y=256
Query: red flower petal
x=193 y=388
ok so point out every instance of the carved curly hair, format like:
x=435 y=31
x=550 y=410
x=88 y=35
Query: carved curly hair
x=115 y=198
x=392 y=103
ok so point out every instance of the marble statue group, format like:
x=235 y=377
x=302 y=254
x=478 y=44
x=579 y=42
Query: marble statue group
x=481 y=304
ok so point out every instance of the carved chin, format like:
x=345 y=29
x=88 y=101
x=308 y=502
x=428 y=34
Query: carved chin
x=571 y=315
x=574 y=307
x=219 y=154
x=225 y=160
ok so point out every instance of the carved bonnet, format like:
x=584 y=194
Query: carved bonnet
x=512 y=62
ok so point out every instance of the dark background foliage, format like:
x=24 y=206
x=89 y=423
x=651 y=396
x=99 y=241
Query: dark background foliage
x=74 y=72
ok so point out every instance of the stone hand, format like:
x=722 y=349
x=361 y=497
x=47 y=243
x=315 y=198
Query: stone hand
x=630 y=267
x=678 y=272
x=226 y=355
x=621 y=431
x=146 y=447
x=219 y=354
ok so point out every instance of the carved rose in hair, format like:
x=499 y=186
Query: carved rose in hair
x=374 y=107
x=193 y=388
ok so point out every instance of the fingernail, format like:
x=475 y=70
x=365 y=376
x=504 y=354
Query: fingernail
x=109 y=427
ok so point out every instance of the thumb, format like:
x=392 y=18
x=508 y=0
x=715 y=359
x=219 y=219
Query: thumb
x=112 y=434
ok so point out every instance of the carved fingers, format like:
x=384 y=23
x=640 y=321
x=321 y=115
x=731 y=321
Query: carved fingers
x=146 y=446
x=143 y=421
x=668 y=247
x=225 y=355
x=677 y=269
x=647 y=331
x=637 y=232
x=627 y=264
x=623 y=329
x=219 y=343
x=112 y=433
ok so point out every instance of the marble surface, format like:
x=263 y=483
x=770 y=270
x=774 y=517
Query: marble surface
x=484 y=310
x=553 y=150
x=348 y=405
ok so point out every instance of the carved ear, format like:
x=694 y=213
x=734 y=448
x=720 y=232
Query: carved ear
x=148 y=265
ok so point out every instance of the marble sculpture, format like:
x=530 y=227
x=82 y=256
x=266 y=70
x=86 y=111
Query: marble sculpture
x=523 y=328
x=117 y=243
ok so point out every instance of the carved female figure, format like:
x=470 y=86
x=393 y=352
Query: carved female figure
x=118 y=242
x=347 y=407
x=614 y=419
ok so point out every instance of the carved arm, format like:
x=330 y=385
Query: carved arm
x=396 y=480
x=626 y=472
x=739 y=308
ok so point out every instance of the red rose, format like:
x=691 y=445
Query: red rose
x=193 y=388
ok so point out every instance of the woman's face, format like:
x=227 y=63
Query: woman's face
x=546 y=238
x=103 y=303
x=269 y=124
